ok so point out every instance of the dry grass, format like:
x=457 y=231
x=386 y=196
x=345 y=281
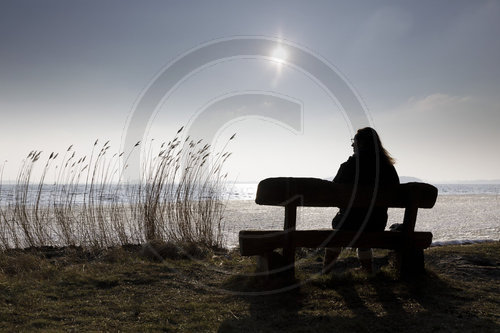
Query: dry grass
x=179 y=198
x=120 y=289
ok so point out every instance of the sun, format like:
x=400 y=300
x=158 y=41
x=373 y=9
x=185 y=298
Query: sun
x=279 y=55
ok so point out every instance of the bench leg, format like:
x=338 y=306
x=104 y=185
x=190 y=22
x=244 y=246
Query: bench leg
x=273 y=265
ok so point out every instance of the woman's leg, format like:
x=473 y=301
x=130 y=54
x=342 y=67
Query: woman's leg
x=365 y=258
x=331 y=255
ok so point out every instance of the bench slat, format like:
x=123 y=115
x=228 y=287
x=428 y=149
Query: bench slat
x=314 y=192
x=256 y=242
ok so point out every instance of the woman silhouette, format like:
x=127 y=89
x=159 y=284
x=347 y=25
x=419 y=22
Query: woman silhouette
x=371 y=165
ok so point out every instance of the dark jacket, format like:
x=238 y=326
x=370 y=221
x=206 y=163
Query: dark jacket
x=355 y=218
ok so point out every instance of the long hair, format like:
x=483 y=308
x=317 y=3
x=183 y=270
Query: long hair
x=368 y=142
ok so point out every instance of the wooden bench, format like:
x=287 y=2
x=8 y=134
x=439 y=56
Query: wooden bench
x=311 y=192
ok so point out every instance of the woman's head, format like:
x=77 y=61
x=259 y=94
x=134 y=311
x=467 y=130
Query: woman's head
x=367 y=141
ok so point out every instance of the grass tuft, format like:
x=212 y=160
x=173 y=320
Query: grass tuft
x=179 y=199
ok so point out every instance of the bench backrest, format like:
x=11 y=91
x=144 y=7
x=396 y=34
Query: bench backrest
x=314 y=192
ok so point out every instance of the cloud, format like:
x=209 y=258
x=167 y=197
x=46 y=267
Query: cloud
x=444 y=137
x=440 y=114
x=436 y=102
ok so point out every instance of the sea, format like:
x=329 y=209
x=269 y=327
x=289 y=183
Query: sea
x=463 y=213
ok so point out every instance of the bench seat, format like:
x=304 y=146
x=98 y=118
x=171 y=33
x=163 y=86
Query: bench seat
x=258 y=242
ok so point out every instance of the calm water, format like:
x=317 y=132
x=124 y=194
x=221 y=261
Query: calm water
x=240 y=191
x=246 y=191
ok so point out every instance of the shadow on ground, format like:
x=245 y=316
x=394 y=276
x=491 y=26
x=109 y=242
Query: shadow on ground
x=351 y=301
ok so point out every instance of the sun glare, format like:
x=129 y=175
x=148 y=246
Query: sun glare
x=279 y=55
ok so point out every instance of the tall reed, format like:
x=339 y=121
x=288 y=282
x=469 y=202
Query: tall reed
x=179 y=198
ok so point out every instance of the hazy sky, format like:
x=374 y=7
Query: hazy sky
x=427 y=73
